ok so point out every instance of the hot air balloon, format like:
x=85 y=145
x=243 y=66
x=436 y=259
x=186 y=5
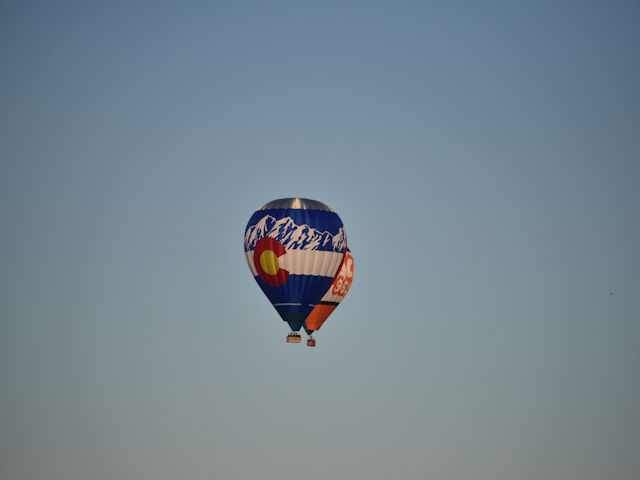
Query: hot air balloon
x=331 y=299
x=294 y=248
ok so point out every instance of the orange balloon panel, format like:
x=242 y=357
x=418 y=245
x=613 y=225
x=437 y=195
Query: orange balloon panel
x=337 y=291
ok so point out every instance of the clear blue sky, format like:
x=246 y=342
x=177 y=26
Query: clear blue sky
x=484 y=157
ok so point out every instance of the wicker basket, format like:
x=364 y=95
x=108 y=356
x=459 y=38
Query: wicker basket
x=293 y=338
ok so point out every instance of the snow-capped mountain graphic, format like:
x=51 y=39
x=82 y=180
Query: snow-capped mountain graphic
x=292 y=236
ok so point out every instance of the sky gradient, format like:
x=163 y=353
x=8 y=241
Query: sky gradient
x=485 y=161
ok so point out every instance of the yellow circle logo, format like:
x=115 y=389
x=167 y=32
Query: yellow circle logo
x=269 y=262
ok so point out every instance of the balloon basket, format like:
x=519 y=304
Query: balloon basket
x=311 y=342
x=293 y=337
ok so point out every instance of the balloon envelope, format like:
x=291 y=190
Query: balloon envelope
x=294 y=247
x=332 y=298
